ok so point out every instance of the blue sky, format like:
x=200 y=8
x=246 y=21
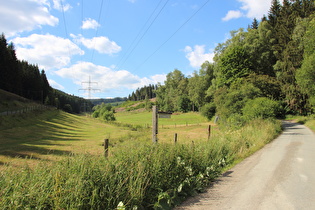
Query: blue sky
x=120 y=44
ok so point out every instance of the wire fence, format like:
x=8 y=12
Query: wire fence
x=24 y=110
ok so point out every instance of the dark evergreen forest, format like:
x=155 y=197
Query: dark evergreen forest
x=146 y=92
x=28 y=81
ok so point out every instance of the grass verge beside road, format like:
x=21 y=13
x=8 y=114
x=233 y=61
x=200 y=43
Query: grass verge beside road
x=137 y=173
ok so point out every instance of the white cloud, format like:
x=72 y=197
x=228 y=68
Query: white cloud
x=255 y=8
x=90 y=24
x=55 y=85
x=48 y=51
x=18 y=16
x=232 y=14
x=101 y=44
x=61 y=7
x=198 y=56
x=250 y=9
x=107 y=79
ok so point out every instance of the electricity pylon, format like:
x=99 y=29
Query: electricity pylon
x=89 y=89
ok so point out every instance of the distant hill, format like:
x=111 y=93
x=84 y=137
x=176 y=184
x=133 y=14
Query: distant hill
x=108 y=100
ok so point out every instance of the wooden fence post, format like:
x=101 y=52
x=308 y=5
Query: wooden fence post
x=154 y=124
x=106 y=141
x=175 y=138
x=209 y=132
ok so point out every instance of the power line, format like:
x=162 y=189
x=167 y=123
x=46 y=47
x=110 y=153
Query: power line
x=128 y=55
x=65 y=24
x=173 y=34
x=96 y=33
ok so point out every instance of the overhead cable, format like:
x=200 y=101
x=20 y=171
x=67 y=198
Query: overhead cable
x=157 y=15
x=178 y=29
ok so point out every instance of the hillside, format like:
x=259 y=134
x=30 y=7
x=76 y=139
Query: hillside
x=10 y=101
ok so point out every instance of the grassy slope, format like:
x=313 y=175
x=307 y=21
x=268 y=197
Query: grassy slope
x=52 y=134
x=10 y=101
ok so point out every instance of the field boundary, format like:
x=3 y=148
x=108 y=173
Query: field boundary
x=24 y=110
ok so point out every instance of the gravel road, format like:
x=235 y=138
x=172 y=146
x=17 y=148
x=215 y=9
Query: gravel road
x=279 y=176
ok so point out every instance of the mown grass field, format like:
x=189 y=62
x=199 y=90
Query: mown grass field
x=54 y=134
x=54 y=160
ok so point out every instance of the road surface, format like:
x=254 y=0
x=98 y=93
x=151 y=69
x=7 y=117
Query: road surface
x=279 y=176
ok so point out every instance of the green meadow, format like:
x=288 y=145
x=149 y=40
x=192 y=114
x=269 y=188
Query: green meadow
x=55 y=160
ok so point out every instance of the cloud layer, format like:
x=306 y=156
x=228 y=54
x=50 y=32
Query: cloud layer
x=17 y=17
x=101 y=44
x=48 y=51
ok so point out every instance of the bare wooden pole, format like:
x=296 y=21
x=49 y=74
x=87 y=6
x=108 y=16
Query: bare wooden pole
x=154 y=124
x=106 y=141
x=209 y=132
x=175 y=138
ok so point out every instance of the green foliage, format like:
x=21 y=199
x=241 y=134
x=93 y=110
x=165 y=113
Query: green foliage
x=174 y=90
x=184 y=104
x=199 y=83
x=208 y=110
x=104 y=112
x=305 y=76
x=261 y=108
x=269 y=86
x=234 y=63
x=146 y=92
x=230 y=101
x=67 y=108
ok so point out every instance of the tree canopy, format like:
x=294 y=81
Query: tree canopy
x=272 y=64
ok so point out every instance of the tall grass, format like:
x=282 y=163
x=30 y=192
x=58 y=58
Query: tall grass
x=136 y=175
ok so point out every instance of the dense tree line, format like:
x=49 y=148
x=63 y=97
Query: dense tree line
x=146 y=92
x=271 y=64
x=28 y=81
x=108 y=100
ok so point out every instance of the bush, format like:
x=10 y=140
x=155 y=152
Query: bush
x=261 y=107
x=108 y=116
x=104 y=111
x=208 y=110
x=68 y=108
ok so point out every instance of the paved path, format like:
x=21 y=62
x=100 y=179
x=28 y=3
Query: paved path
x=279 y=176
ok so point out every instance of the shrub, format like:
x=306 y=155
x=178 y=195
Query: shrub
x=261 y=107
x=208 y=110
x=104 y=111
x=108 y=116
x=68 y=108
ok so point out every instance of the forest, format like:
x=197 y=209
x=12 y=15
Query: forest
x=267 y=70
x=28 y=81
x=146 y=92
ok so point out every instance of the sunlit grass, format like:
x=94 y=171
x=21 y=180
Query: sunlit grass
x=52 y=134
x=54 y=160
x=145 y=118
